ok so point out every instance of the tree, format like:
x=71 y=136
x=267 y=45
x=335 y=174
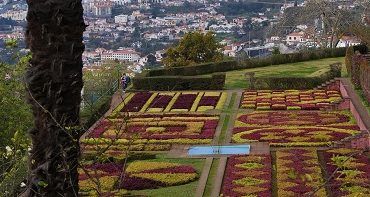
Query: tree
x=362 y=31
x=194 y=48
x=327 y=21
x=152 y=62
x=54 y=83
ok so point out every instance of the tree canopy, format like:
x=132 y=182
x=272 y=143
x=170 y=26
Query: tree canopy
x=193 y=48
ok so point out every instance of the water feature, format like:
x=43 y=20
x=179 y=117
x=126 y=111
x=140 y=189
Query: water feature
x=219 y=150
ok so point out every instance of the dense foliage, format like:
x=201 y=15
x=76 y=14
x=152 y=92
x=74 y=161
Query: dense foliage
x=16 y=119
x=194 y=48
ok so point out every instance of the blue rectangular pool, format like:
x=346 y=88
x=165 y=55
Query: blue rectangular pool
x=219 y=150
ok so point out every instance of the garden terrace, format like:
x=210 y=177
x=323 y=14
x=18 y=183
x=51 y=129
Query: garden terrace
x=172 y=102
x=302 y=132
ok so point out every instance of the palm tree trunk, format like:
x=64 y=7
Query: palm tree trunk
x=54 y=83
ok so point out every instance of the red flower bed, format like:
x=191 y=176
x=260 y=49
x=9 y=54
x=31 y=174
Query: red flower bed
x=185 y=101
x=298 y=128
x=351 y=170
x=290 y=99
x=137 y=102
x=298 y=172
x=161 y=101
x=248 y=175
x=209 y=101
x=159 y=127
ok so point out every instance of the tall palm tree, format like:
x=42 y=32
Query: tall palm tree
x=54 y=83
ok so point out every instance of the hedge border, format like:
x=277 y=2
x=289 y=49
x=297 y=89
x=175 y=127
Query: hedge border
x=223 y=66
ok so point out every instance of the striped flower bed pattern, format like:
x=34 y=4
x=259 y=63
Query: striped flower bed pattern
x=151 y=175
x=351 y=169
x=289 y=99
x=172 y=102
x=248 y=176
x=138 y=175
x=298 y=173
x=294 y=128
x=155 y=128
x=107 y=175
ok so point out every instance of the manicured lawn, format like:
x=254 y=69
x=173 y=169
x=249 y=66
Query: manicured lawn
x=178 y=191
x=224 y=129
x=211 y=178
x=236 y=79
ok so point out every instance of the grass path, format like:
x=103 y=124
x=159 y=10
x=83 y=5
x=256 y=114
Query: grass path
x=236 y=79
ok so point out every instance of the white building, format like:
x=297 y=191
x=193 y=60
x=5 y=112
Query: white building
x=15 y=15
x=102 y=8
x=121 y=19
x=347 y=41
x=122 y=55
x=121 y=2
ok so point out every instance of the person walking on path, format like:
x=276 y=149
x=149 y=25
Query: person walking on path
x=125 y=80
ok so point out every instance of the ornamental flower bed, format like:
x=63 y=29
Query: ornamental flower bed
x=294 y=128
x=172 y=102
x=298 y=173
x=351 y=172
x=107 y=176
x=151 y=175
x=248 y=176
x=138 y=175
x=289 y=99
x=155 y=128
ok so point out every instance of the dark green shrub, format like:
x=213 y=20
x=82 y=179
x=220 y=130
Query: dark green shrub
x=169 y=83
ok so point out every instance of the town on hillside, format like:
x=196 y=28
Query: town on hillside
x=130 y=30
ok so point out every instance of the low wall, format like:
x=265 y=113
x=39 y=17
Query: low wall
x=351 y=107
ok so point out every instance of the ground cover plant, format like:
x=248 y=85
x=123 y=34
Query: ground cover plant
x=294 y=128
x=248 y=176
x=172 y=102
x=113 y=179
x=155 y=129
x=298 y=173
x=289 y=99
x=351 y=172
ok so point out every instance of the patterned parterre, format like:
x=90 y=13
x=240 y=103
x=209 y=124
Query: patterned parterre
x=172 y=102
x=289 y=99
x=248 y=176
x=156 y=129
x=299 y=173
x=139 y=175
x=294 y=128
x=351 y=172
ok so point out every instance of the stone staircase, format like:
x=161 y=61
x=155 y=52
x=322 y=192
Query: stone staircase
x=333 y=84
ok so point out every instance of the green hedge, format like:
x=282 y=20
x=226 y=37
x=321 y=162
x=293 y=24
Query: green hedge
x=224 y=66
x=286 y=83
x=169 y=83
x=199 y=69
x=300 y=83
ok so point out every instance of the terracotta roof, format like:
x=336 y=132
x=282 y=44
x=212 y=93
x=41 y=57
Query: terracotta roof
x=296 y=34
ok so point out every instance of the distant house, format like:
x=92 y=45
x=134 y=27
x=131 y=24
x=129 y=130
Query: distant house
x=347 y=41
x=261 y=51
x=122 y=55
x=295 y=37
